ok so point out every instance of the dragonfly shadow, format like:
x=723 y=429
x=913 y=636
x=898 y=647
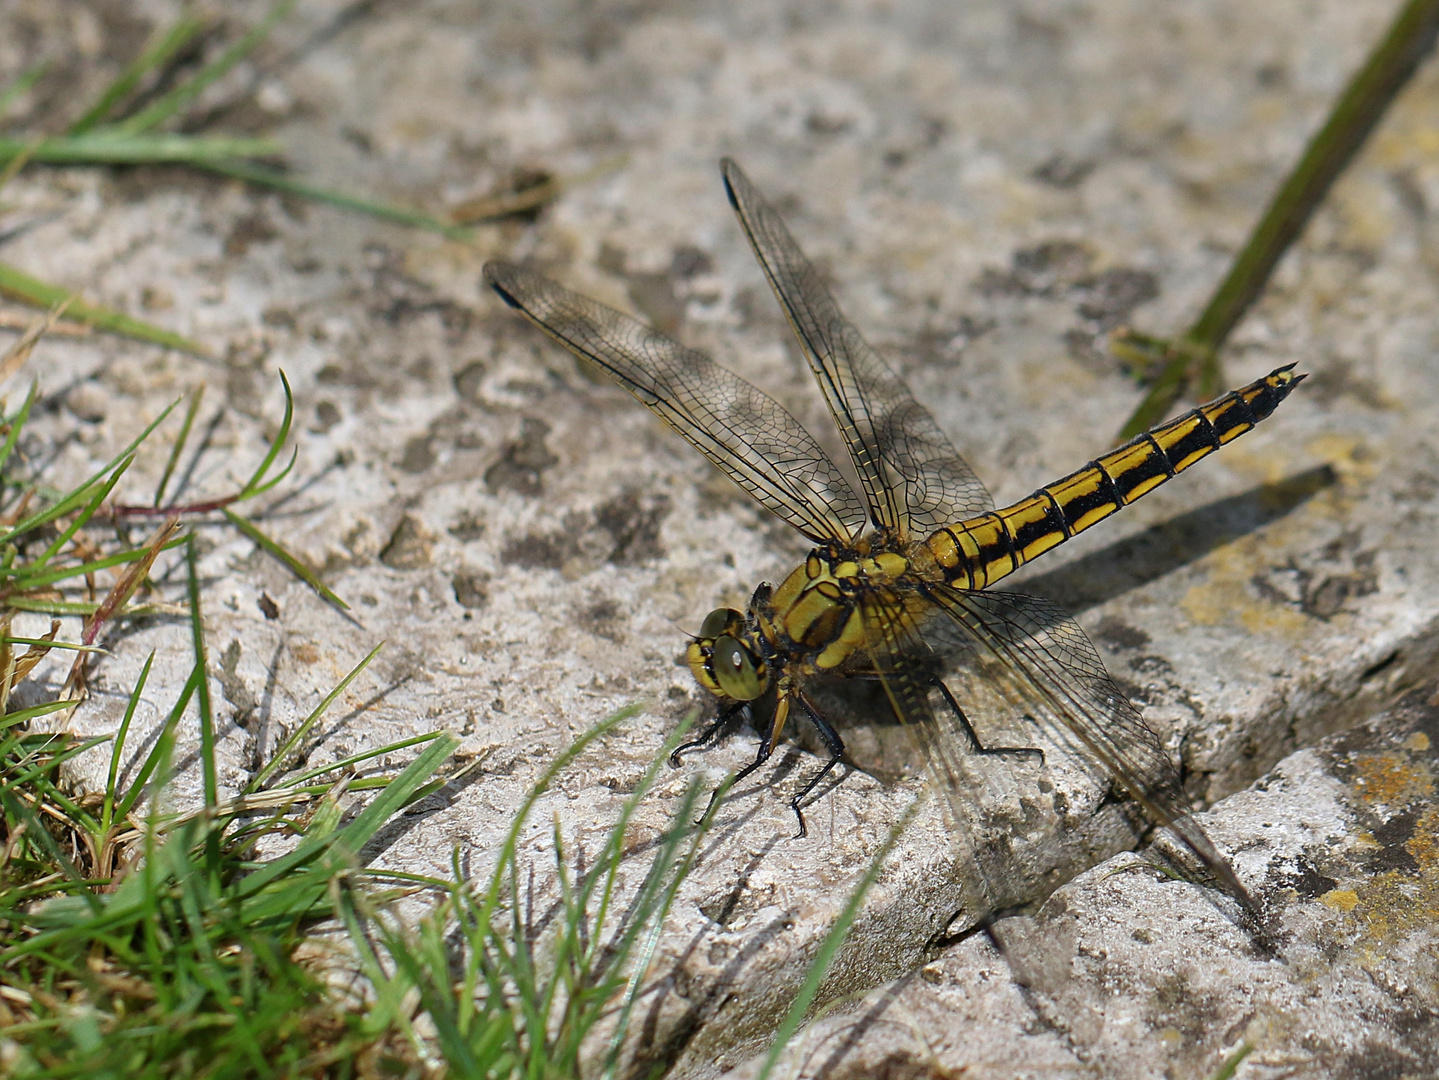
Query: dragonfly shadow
x=1110 y=572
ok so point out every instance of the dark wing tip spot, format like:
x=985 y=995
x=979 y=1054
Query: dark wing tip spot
x=729 y=169
x=495 y=275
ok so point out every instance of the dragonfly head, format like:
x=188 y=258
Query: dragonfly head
x=724 y=658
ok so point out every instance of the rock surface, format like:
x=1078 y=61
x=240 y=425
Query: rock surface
x=990 y=190
x=1123 y=973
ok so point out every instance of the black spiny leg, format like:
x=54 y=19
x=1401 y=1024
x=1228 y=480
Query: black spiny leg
x=973 y=736
x=709 y=734
x=833 y=743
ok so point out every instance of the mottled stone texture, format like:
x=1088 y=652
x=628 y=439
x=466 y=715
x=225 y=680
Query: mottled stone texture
x=990 y=187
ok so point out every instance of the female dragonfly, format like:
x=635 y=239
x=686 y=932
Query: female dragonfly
x=895 y=588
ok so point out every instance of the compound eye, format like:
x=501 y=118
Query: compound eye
x=720 y=621
x=734 y=670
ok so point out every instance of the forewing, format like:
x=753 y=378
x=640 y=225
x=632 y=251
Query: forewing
x=913 y=477
x=740 y=428
x=1035 y=655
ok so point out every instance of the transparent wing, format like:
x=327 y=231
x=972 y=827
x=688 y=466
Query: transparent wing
x=913 y=477
x=1030 y=653
x=740 y=428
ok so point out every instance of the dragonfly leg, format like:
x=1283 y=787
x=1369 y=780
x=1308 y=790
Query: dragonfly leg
x=709 y=734
x=973 y=736
x=833 y=743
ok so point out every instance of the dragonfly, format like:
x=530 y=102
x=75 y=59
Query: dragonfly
x=897 y=585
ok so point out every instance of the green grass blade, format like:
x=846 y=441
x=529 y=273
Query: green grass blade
x=819 y=966
x=338 y=849
x=357 y=759
x=25 y=580
x=80 y=492
x=21 y=716
x=160 y=750
x=118 y=749
x=17 y=424
x=20 y=286
x=181 y=439
x=181 y=97
x=41 y=643
x=105 y=146
x=296 y=567
x=202 y=690
x=156 y=55
x=83 y=517
x=283 y=753
x=252 y=486
x=27 y=79
x=279 y=181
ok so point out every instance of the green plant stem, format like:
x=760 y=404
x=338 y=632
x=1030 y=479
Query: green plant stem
x=104 y=146
x=1360 y=107
x=29 y=290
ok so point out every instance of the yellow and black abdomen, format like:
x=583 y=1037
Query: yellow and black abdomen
x=978 y=552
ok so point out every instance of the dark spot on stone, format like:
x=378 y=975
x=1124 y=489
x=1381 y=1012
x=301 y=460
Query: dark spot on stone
x=1308 y=882
x=467 y=527
x=1377 y=1061
x=252 y=228
x=1062 y=171
x=537 y=550
x=1108 y=298
x=654 y=295
x=634 y=523
x=471 y=589
x=330 y=373
x=893 y=159
x=327 y=415
x=268 y=607
x=1119 y=634
x=689 y=261
x=1271 y=75
x=1141 y=935
x=410 y=547
x=1393 y=836
x=819 y=124
x=278 y=316
x=419 y=454
x=468 y=381
x=399 y=298
x=602 y=618
x=1043 y=270
x=522 y=462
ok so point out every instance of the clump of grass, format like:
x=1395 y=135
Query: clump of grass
x=136 y=940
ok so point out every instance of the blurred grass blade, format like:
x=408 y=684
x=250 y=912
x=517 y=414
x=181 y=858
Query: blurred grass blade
x=181 y=97
x=273 y=178
x=161 y=50
x=196 y=396
x=106 y=146
x=27 y=79
x=298 y=568
x=24 y=345
x=20 y=286
x=283 y=753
